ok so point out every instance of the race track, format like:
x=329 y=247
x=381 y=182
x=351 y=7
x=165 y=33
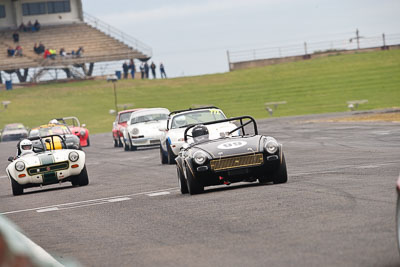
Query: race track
x=338 y=208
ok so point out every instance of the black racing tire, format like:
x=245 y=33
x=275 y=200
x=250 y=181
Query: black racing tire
x=83 y=178
x=280 y=176
x=75 y=180
x=17 y=189
x=170 y=155
x=182 y=181
x=163 y=157
x=194 y=187
x=88 y=142
x=116 y=143
x=120 y=143
x=125 y=145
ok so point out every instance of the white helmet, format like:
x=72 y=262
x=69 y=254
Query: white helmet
x=53 y=121
x=180 y=121
x=26 y=145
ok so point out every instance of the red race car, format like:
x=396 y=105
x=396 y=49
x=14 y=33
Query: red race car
x=120 y=123
x=75 y=126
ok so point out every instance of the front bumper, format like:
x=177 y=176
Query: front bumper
x=143 y=141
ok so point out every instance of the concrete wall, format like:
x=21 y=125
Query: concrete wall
x=14 y=15
x=273 y=61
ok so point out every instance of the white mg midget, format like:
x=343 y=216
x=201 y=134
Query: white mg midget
x=143 y=128
x=42 y=161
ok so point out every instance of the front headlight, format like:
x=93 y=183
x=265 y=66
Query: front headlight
x=135 y=131
x=199 y=157
x=73 y=156
x=20 y=166
x=82 y=133
x=271 y=147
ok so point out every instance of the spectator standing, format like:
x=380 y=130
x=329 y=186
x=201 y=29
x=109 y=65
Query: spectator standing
x=15 y=37
x=133 y=68
x=153 y=69
x=142 y=70
x=125 y=68
x=146 y=69
x=162 y=71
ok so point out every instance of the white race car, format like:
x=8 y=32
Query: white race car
x=143 y=128
x=172 y=137
x=44 y=165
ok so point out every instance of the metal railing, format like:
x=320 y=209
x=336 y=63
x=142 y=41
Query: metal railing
x=117 y=34
x=311 y=48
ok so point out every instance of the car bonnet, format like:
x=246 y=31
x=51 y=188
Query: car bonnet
x=231 y=146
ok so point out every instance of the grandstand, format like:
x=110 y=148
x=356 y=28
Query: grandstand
x=63 y=25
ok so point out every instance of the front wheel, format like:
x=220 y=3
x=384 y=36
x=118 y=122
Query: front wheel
x=17 y=189
x=194 y=187
x=170 y=154
x=116 y=143
x=280 y=176
x=163 y=157
x=81 y=179
x=182 y=181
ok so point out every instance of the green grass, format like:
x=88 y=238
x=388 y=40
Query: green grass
x=314 y=86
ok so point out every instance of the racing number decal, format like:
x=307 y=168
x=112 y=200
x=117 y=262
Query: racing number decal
x=232 y=145
x=215 y=111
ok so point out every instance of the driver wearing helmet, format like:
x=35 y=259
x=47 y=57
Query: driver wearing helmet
x=53 y=121
x=25 y=147
x=200 y=133
x=180 y=121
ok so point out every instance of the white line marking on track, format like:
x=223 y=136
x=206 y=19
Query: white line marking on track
x=91 y=202
x=368 y=167
x=49 y=209
x=2 y=177
x=158 y=194
x=119 y=199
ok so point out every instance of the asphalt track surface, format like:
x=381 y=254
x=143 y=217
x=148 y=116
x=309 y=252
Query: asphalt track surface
x=337 y=209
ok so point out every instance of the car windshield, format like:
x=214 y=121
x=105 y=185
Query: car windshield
x=124 y=117
x=13 y=127
x=149 y=117
x=195 y=117
x=59 y=129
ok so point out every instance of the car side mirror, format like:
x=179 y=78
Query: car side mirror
x=11 y=159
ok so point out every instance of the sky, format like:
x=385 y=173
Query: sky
x=192 y=37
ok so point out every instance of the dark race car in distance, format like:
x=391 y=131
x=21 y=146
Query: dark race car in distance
x=239 y=155
x=13 y=132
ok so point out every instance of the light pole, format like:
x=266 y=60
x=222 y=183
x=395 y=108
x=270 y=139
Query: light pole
x=114 y=80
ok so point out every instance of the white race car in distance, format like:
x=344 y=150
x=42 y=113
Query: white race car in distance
x=45 y=165
x=143 y=128
x=172 y=137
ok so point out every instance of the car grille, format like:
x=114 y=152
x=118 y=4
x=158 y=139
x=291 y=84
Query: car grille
x=48 y=168
x=237 y=162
